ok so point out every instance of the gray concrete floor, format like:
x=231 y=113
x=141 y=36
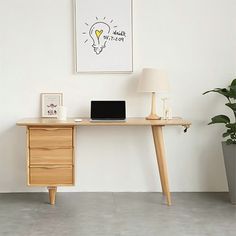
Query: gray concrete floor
x=117 y=214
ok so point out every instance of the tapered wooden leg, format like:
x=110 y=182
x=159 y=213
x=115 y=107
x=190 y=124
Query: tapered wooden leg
x=52 y=194
x=161 y=161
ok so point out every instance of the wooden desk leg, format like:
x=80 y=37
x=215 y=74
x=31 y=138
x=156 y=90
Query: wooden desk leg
x=52 y=194
x=161 y=161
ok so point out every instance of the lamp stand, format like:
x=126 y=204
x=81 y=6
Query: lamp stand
x=153 y=115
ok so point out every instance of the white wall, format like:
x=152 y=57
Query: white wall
x=194 y=40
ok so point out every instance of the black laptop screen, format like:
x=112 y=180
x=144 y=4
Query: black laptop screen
x=108 y=110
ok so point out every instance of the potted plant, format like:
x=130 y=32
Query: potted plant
x=229 y=146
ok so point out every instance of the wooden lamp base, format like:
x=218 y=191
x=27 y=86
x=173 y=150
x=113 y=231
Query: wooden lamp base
x=153 y=115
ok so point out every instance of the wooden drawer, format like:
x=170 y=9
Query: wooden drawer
x=56 y=156
x=50 y=137
x=51 y=175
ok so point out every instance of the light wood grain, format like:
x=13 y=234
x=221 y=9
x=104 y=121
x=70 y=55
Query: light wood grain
x=49 y=156
x=48 y=142
x=50 y=137
x=86 y=122
x=51 y=175
x=52 y=194
x=27 y=155
x=153 y=115
x=160 y=155
x=74 y=153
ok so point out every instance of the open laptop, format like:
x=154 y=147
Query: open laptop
x=105 y=111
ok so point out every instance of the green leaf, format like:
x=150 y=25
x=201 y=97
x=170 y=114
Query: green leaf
x=232 y=106
x=230 y=94
x=233 y=83
x=229 y=141
x=223 y=91
x=232 y=91
x=232 y=127
x=220 y=119
x=227 y=133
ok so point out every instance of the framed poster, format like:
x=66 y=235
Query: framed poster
x=104 y=36
x=50 y=103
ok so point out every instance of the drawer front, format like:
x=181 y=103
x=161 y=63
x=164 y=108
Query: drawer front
x=49 y=175
x=45 y=156
x=50 y=137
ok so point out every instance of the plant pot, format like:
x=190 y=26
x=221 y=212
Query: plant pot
x=229 y=151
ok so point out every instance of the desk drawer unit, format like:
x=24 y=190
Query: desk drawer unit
x=51 y=175
x=50 y=137
x=50 y=156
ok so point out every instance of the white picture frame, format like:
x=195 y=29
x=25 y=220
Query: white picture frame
x=104 y=36
x=50 y=103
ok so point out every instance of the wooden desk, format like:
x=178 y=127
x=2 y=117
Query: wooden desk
x=51 y=144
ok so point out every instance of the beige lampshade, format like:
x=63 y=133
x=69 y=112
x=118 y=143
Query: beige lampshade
x=153 y=80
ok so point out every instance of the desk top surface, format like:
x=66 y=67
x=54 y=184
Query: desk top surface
x=86 y=122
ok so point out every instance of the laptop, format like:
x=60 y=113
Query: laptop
x=105 y=111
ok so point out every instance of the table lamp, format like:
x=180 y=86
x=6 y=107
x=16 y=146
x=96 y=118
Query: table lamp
x=153 y=81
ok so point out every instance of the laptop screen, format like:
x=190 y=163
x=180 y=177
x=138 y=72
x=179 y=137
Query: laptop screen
x=108 y=110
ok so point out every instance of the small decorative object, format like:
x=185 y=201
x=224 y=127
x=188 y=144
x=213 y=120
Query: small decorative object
x=153 y=81
x=229 y=146
x=104 y=36
x=167 y=111
x=62 y=113
x=50 y=103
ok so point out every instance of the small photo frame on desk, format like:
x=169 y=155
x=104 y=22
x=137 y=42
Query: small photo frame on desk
x=50 y=103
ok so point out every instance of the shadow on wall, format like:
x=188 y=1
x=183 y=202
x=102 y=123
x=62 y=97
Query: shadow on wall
x=205 y=144
x=211 y=159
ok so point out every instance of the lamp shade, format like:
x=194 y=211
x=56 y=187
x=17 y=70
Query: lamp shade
x=153 y=80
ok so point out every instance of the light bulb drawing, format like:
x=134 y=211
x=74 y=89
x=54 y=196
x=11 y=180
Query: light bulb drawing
x=101 y=32
x=96 y=32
